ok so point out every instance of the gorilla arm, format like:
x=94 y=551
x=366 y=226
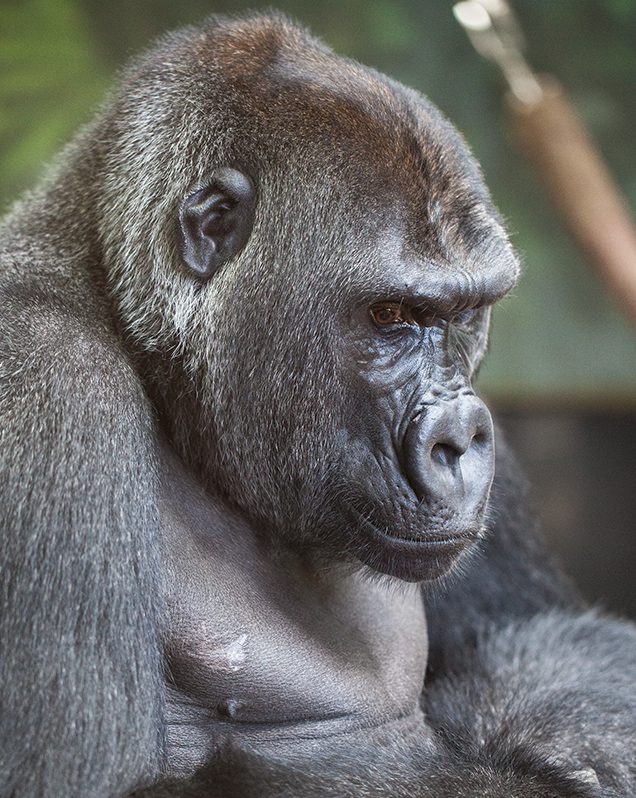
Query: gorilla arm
x=519 y=673
x=373 y=764
x=80 y=686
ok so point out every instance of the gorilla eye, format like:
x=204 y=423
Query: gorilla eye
x=390 y=314
x=387 y=313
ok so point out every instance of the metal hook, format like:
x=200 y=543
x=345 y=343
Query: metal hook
x=495 y=33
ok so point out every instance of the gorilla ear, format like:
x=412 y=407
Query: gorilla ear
x=216 y=221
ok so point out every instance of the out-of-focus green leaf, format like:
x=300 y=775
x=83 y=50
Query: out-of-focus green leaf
x=50 y=75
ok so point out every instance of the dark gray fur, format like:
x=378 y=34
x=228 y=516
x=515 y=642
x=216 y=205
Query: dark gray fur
x=148 y=421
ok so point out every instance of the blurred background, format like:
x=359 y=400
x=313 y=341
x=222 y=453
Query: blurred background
x=562 y=366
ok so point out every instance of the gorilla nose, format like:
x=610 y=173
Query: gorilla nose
x=449 y=454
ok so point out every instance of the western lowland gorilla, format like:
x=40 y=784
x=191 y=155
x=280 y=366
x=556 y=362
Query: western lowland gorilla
x=240 y=446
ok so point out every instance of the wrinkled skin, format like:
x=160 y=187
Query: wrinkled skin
x=239 y=325
x=418 y=447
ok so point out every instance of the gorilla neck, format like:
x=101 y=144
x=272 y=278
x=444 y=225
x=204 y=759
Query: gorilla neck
x=268 y=648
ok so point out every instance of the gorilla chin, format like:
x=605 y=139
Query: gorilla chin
x=417 y=558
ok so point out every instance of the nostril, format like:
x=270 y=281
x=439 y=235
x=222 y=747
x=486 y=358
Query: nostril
x=446 y=455
x=449 y=455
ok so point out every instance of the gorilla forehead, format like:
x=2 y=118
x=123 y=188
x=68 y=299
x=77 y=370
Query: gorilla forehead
x=377 y=147
x=301 y=90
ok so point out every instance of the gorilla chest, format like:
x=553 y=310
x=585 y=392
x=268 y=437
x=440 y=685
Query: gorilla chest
x=263 y=645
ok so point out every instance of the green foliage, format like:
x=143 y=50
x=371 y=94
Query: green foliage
x=50 y=76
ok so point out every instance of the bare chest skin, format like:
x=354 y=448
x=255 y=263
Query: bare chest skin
x=264 y=646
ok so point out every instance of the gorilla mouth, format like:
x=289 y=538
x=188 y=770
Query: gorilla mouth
x=413 y=558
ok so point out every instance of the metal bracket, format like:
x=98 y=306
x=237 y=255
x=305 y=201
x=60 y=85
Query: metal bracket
x=495 y=33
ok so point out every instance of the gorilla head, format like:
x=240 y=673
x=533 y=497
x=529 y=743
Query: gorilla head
x=323 y=291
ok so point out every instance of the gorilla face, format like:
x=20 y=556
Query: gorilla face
x=415 y=443
x=419 y=446
x=330 y=305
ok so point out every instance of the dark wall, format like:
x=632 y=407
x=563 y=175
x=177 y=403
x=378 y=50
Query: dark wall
x=582 y=469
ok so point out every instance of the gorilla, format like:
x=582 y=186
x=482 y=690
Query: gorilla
x=243 y=464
